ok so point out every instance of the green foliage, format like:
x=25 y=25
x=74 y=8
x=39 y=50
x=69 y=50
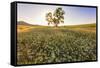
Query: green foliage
x=55 y=18
x=49 y=18
x=50 y=45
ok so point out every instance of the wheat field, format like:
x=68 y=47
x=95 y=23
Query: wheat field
x=44 y=44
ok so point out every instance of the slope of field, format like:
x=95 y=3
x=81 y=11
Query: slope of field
x=27 y=28
x=83 y=28
x=24 y=28
x=50 y=45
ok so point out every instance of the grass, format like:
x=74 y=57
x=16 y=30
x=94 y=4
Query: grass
x=51 y=45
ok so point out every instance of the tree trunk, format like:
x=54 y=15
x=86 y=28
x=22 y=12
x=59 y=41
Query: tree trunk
x=56 y=25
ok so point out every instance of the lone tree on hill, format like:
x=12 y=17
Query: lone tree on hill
x=55 y=18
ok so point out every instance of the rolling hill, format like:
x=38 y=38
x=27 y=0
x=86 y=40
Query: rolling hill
x=22 y=23
x=26 y=24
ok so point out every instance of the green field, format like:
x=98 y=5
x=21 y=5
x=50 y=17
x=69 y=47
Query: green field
x=42 y=44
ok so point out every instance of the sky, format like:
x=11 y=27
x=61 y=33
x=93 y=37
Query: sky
x=35 y=14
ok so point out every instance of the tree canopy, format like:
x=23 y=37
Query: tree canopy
x=55 y=18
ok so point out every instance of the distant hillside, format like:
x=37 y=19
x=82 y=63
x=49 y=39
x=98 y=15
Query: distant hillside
x=92 y=25
x=25 y=23
x=22 y=23
x=88 y=25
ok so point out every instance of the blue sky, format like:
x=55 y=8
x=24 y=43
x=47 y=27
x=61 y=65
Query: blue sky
x=35 y=14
